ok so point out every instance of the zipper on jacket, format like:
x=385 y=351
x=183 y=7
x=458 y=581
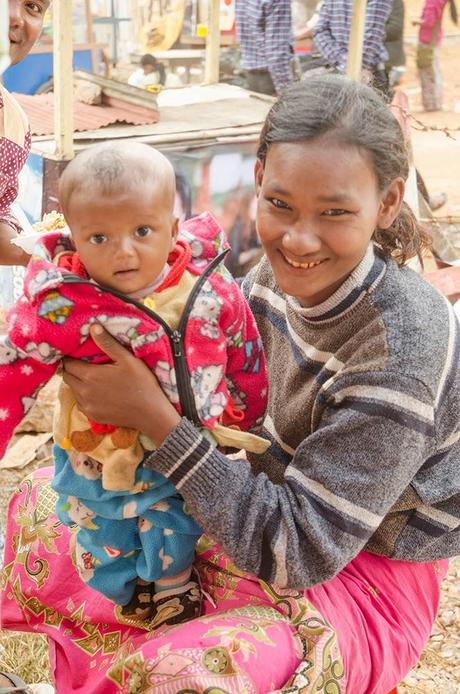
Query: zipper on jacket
x=176 y=337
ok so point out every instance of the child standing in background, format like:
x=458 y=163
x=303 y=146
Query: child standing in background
x=172 y=302
x=430 y=37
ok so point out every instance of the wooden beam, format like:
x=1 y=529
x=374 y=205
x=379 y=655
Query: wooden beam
x=355 y=48
x=63 y=79
x=211 y=75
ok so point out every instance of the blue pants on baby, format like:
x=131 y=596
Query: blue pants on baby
x=121 y=536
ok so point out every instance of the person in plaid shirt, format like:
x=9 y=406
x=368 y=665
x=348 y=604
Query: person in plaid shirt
x=266 y=41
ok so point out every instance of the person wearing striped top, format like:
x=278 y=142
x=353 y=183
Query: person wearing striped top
x=266 y=42
x=331 y=34
x=357 y=501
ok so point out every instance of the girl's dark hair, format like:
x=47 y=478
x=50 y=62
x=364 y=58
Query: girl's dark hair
x=453 y=11
x=356 y=116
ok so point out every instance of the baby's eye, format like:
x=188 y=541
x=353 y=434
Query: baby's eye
x=98 y=239
x=279 y=204
x=335 y=212
x=142 y=232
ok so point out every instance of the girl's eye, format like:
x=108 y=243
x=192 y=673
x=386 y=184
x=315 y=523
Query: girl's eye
x=279 y=204
x=98 y=239
x=142 y=232
x=335 y=212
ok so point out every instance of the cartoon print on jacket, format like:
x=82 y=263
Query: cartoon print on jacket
x=53 y=319
x=207 y=308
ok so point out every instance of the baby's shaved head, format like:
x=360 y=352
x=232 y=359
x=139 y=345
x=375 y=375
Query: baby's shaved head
x=117 y=166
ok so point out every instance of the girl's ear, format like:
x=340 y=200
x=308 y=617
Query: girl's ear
x=258 y=175
x=391 y=203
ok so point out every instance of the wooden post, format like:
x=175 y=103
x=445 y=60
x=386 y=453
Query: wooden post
x=211 y=74
x=355 y=47
x=63 y=81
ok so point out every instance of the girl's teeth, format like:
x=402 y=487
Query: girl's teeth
x=304 y=266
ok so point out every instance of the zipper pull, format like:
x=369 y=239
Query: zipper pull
x=177 y=343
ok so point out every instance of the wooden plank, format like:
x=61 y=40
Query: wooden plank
x=63 y=81
x=355 y=47
x=211 y=73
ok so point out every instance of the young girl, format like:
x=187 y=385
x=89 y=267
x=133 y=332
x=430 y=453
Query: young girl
x=346 y=520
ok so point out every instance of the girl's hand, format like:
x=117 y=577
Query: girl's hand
x=124 y=393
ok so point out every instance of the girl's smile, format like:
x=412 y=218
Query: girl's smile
x=318 y=207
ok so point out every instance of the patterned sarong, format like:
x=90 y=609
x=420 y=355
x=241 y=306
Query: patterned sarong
x=253 y=638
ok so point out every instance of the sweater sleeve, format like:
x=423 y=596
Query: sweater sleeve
x=342 y=481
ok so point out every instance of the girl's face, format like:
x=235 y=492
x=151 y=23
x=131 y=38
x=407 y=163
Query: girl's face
x=318 y=207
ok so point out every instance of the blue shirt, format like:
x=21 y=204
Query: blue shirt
x=332 y=32
x=265 y=36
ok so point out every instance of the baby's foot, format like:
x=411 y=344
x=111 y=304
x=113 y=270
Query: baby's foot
x=140 y=607
x=177 y=605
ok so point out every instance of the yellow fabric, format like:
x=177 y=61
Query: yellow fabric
x=169 y=303
x=226 y=436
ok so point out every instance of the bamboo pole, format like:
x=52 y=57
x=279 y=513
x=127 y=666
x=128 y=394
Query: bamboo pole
x=211 y=75
x=63 y=81
x=355 y=47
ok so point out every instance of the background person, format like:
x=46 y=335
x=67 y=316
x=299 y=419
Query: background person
x=331 y=37
x=26 y=21
x=266 y=42
x=150 y=73
x=429 y=42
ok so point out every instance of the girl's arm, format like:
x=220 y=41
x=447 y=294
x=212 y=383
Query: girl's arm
x=341 y=483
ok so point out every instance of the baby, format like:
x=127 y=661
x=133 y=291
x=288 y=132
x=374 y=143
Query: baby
x=165 y=294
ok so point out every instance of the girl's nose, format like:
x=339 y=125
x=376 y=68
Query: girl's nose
x=301 y=241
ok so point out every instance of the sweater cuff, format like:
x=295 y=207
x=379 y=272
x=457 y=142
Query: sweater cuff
x=186 y=456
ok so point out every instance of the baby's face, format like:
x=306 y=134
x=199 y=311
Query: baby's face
x=123 y=238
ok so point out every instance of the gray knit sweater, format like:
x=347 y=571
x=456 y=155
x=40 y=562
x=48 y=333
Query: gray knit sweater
x=364 y=420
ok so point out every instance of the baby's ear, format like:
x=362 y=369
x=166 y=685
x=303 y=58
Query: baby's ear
x=174 y=231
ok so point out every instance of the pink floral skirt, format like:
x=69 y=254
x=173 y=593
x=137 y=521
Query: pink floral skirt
x=252 y=638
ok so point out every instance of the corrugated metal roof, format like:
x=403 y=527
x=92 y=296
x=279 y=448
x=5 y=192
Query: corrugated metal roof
x=40 y=112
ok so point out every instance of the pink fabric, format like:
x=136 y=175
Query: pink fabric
x=257 y=638
x=223 y=348
x=254 y=639
x=431 y=15
x=381 y=629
